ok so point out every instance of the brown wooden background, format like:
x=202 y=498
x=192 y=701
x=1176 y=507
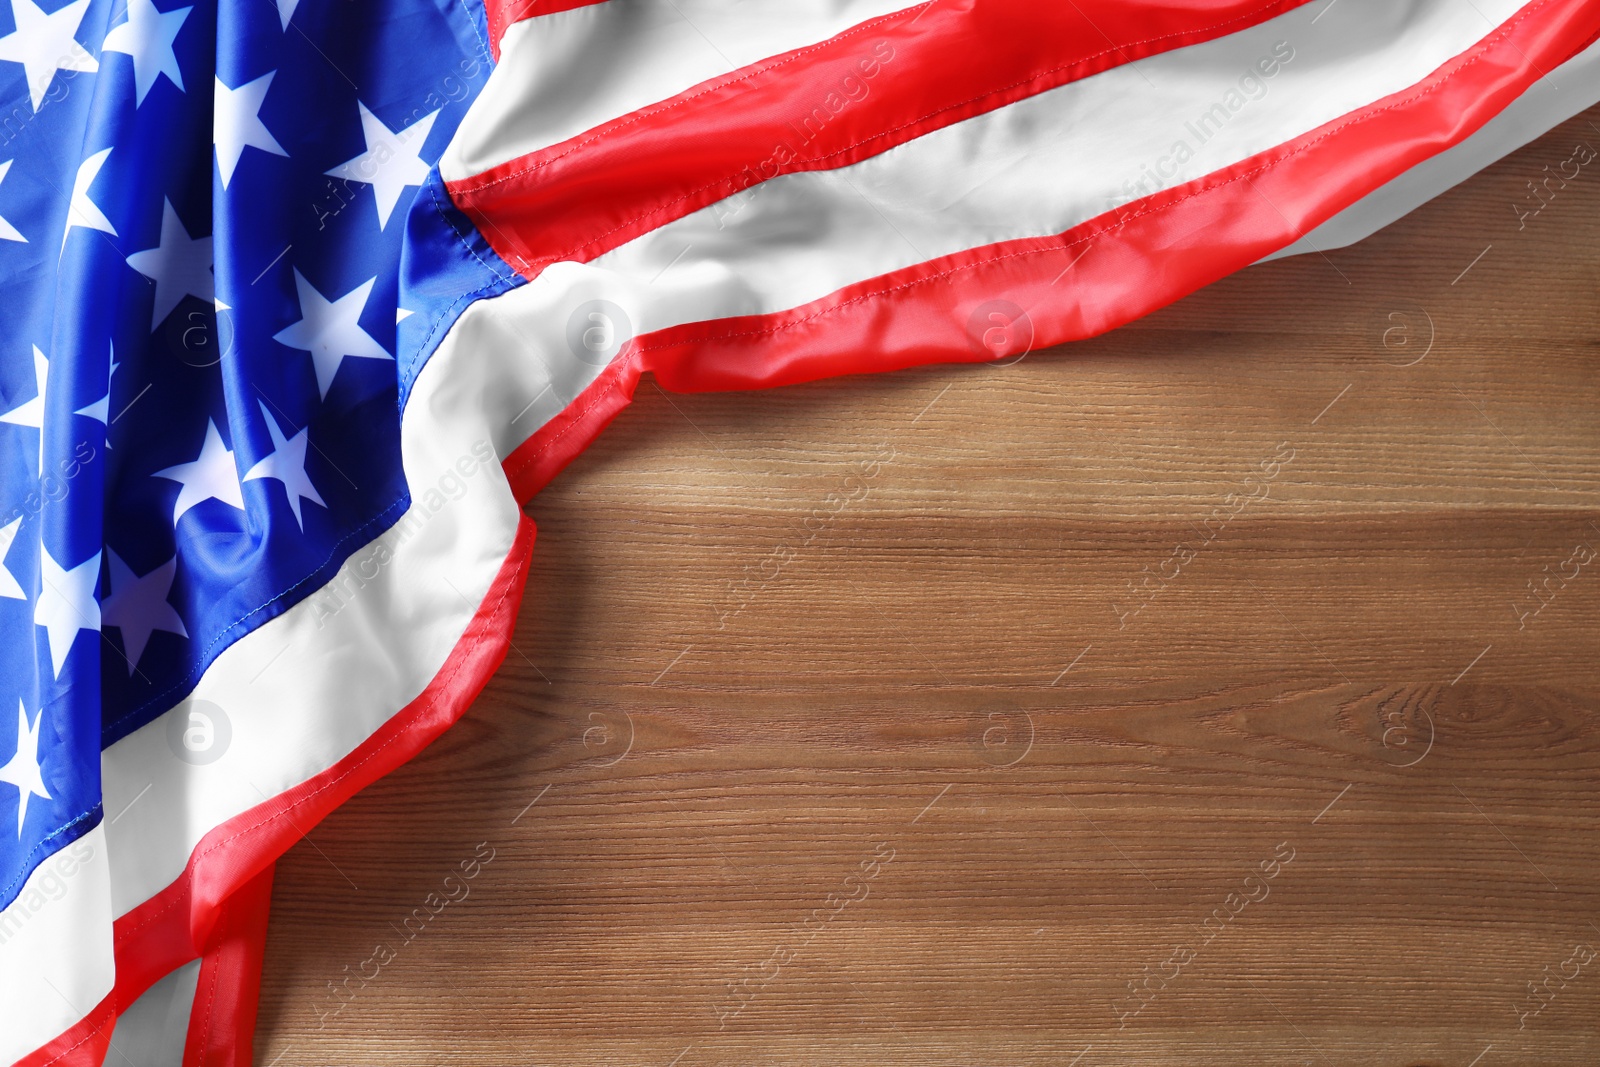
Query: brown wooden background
x=898 y=776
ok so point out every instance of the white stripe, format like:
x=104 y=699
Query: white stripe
x=152 y=1032
x=1040 y=166
x=565 y=73
x=55 y=947
x=1570 y=88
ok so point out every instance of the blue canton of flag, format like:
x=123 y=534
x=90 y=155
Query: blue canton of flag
x=201 y=210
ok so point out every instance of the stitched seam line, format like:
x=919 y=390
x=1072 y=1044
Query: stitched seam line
x=24 y=874
x=210 y=1013
x=483 y=43
x=446 y=313
x=64 y=1053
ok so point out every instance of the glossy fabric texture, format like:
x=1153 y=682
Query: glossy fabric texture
x=184 y=451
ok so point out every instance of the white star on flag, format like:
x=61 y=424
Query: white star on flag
x=44 y=44
x=146 y=38
x=330 y=330
x=81 y=211
x=211 y=476
x=10 y=588
x=287 y=464
x=138 y=606
x=9 y=232
x=100 y=410
x=236 y=124
x=66 y=603
x=286 y=12
x=388 y=165
x=23 y=770
x=180 y=266
x=31 y=413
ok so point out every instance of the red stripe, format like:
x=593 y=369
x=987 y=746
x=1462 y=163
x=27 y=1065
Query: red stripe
x=562 y=438
x=222 y=1020
x=880 y=84
x=184 y=920
x=1125 y=264
x=502 y=13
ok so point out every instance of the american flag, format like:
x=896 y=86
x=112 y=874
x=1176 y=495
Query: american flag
x=304 y=298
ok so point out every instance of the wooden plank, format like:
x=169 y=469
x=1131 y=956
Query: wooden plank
x=1175 y=698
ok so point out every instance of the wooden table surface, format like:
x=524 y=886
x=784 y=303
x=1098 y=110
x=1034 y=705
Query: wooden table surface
x=1220 y=691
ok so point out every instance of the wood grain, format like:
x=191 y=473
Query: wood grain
x=967 y=715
